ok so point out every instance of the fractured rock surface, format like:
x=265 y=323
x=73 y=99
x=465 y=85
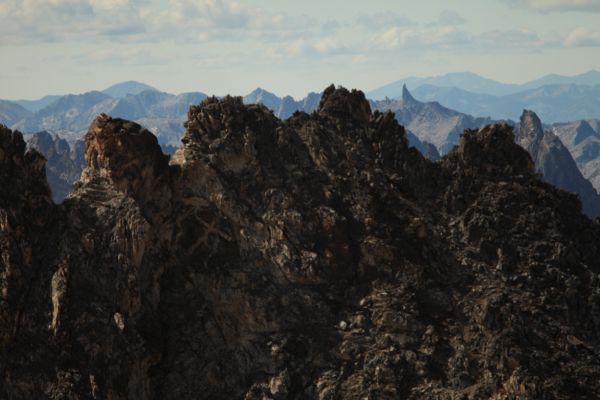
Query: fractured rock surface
x=319 y=258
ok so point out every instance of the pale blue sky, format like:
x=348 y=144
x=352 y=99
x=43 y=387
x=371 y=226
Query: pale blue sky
x=227 y=46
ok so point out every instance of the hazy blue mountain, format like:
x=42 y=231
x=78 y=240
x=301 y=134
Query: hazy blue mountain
x=459 y=99
x=430 y=121
x=283 y=108
x=163 y=112
x=268 y=99
x=582 y=138
x=553 y=103
x=554 y=161
x=11 y=113
x=426 y=148
x=64 y=163
x=464 y=80
x=36 y=105
x=123 y=89
x=474 y=83
x=590 y=78
x=71 y=112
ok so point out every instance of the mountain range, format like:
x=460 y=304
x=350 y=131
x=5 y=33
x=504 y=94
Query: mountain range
x=554 y=161
x=582 y=138
x=554 y=98
x=430 y=121
x=318 y=257
x=553 y=103
x=162 y=112
x=474 y=83
x=283 y=107
x=431 y=128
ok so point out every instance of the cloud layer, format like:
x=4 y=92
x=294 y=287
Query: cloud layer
x=557 y=5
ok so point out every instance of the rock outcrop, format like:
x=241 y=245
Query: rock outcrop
x=555 y=163
x=320 y=258
x=64 y=162
x=430 y=121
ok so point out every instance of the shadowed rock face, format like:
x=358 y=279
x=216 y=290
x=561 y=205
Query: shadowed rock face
x=582 y=138
x=64 y=164
x=319 y=257
x=554 y=162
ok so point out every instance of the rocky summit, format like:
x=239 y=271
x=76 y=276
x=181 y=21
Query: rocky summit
x=314 y=258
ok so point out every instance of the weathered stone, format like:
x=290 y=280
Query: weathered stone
x=319 y=257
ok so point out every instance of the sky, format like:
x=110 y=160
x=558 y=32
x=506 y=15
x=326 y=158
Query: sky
x=287 y=47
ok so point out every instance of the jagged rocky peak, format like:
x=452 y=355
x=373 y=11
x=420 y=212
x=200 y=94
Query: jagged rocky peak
x=12 y=144
x=530 y=132
x=63 y=166
x=223 y=130
x=23 y=183
x=313 y=258
x=344 y=104
x=124 y=152
x=14 y=156
x=41 y=140
x=493 y=148
x=407 y=97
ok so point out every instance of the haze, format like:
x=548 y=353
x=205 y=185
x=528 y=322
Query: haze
x=222 y=46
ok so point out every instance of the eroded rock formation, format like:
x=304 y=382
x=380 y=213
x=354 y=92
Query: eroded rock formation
x=64 y=163
x=319 y=257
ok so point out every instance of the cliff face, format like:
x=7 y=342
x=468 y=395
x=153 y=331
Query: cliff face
x=582 y=138
x=64 y=164
x=555 y=163
x=319 y=257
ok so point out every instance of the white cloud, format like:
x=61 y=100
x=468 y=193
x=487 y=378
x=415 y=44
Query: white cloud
x=452 y=38
x=442 y=37
x=318 y=48
x=33 y=21
x=557 y=5
x=583 y=37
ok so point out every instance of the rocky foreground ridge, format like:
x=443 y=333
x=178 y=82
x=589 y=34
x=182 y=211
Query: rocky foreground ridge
x=318 y=258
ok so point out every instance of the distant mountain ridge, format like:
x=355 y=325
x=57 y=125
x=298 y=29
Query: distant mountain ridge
x=283 y=107
x=430 y=121
x=123 y=89
x=554 y=161
x=474 y=83
x=430 y=127
x=36 y=105
x=553 y=103
x=161 y=111
x=11 y=113
x=582 y=138
x=64 y=163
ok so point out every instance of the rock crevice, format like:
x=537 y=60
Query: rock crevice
x=318 y=257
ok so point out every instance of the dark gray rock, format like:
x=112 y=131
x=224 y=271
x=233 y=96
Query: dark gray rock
x=319 y=257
